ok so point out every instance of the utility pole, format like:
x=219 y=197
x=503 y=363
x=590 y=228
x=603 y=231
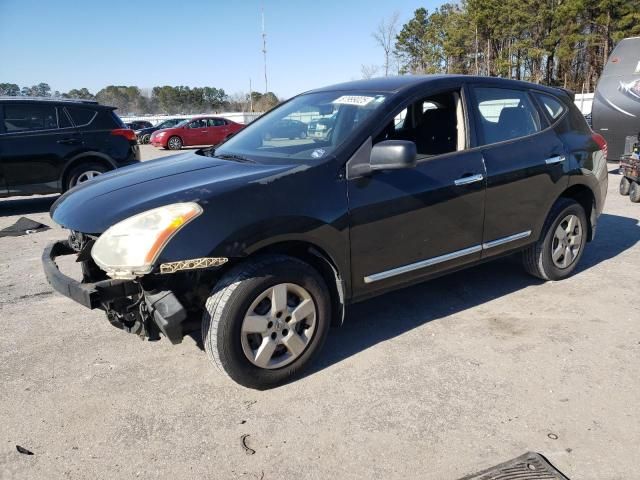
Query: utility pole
x=250 y=96
x=264 y=52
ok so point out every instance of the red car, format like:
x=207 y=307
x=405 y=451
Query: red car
x=195 y=131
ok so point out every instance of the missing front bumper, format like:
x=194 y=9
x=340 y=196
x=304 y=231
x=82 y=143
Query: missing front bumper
x=127 y=304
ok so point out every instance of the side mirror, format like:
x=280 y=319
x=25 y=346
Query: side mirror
x=393 y=155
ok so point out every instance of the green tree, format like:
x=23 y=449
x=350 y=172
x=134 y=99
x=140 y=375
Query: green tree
x=10 y=89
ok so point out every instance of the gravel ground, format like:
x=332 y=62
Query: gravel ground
x=433 y=382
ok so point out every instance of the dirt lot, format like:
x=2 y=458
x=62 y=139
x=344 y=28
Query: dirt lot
x=433 y=382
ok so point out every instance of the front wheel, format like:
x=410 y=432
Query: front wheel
x=634 y=192
x=145 y=139
x=174 y=143
x=266 y=320
x=558 y=250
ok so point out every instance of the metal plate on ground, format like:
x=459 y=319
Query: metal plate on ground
x=530 y=466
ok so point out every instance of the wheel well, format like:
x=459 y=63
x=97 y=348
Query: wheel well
x=322 y=262
x=585 y=197
x=80 y=161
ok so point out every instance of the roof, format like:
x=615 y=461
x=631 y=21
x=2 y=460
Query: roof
x=409 y=82
x=46 y=99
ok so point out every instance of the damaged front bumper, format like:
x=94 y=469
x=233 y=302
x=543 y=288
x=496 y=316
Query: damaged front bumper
x=127 y=304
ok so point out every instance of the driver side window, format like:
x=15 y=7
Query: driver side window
x=198 y=124
x=435 y=124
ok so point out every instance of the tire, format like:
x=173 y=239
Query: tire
x=145 y=139
x=302 y=135
x=634 y=192
x=538 y=259
x=625 y=185
x=235 y=351
x=174 y=143
x=83 y=173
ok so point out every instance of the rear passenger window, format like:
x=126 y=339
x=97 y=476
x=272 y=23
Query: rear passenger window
x=216 y=122
x=81 y=116
x=505 y=114
x=554 y=107
x=18 y=118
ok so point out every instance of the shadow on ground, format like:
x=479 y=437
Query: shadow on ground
x=393 y=314
x=26 y=205
x=371 y=322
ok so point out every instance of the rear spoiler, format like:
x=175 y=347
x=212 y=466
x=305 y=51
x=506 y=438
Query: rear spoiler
x=570 y=93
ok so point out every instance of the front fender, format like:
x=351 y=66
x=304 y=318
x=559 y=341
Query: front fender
x=306 y=204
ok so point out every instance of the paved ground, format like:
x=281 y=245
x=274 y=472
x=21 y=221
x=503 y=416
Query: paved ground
x=433 y=382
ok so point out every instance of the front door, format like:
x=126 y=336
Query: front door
x=525 y=164
x=196 y=132
x=411 y=223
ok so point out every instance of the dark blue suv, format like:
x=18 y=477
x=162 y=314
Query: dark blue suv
x=50 y=145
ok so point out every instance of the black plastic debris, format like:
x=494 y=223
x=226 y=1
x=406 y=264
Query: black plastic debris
x=530 y=466
x=23 y=450
x=23 y=226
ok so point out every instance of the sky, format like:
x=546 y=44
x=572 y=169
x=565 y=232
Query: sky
x=94 y=43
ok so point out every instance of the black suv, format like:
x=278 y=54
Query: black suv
x=262 y=243
x=50 y=145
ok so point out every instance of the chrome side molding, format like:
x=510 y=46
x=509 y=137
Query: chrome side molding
x=556 y=159
x=422 y=264
x=444 y=258
x=467 y=180
x=503 y=240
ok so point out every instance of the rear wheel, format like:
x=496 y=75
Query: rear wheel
x=558 y=250
x=145 y=139
x=266 y=320
x=634 y=192
x=625 y=186
x=83 y=173
x=174 y=143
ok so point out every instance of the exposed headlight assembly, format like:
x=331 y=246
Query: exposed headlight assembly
x=129 y=248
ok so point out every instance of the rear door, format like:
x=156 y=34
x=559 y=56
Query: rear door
x=526 y=164
x=217 y=130
x=36 y=141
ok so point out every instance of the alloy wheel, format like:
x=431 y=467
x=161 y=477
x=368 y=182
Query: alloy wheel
x=86 y=176
x=567 y=241
x=278 y=326
x=175 y=143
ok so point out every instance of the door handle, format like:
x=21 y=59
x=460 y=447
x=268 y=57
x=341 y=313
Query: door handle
x=470 y=179
x=556 y=159
x=69 y=141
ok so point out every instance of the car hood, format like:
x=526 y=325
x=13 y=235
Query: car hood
x=95 y=206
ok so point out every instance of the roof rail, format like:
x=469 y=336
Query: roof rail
x=47 y=99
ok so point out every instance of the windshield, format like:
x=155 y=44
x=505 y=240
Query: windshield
x=310 y=126
x=182 y=123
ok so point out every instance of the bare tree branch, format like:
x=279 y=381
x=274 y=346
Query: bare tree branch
x=385 y=36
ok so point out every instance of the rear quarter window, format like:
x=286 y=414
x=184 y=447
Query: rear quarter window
x=81 y=116
x=552 y=106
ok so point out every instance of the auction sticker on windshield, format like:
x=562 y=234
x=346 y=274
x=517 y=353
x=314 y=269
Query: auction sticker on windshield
x=357 y=100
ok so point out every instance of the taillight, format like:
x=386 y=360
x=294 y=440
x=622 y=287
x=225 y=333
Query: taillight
x=601 y=142
x=125 y=132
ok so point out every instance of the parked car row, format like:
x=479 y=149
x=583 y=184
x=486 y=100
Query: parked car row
x=51 y=145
